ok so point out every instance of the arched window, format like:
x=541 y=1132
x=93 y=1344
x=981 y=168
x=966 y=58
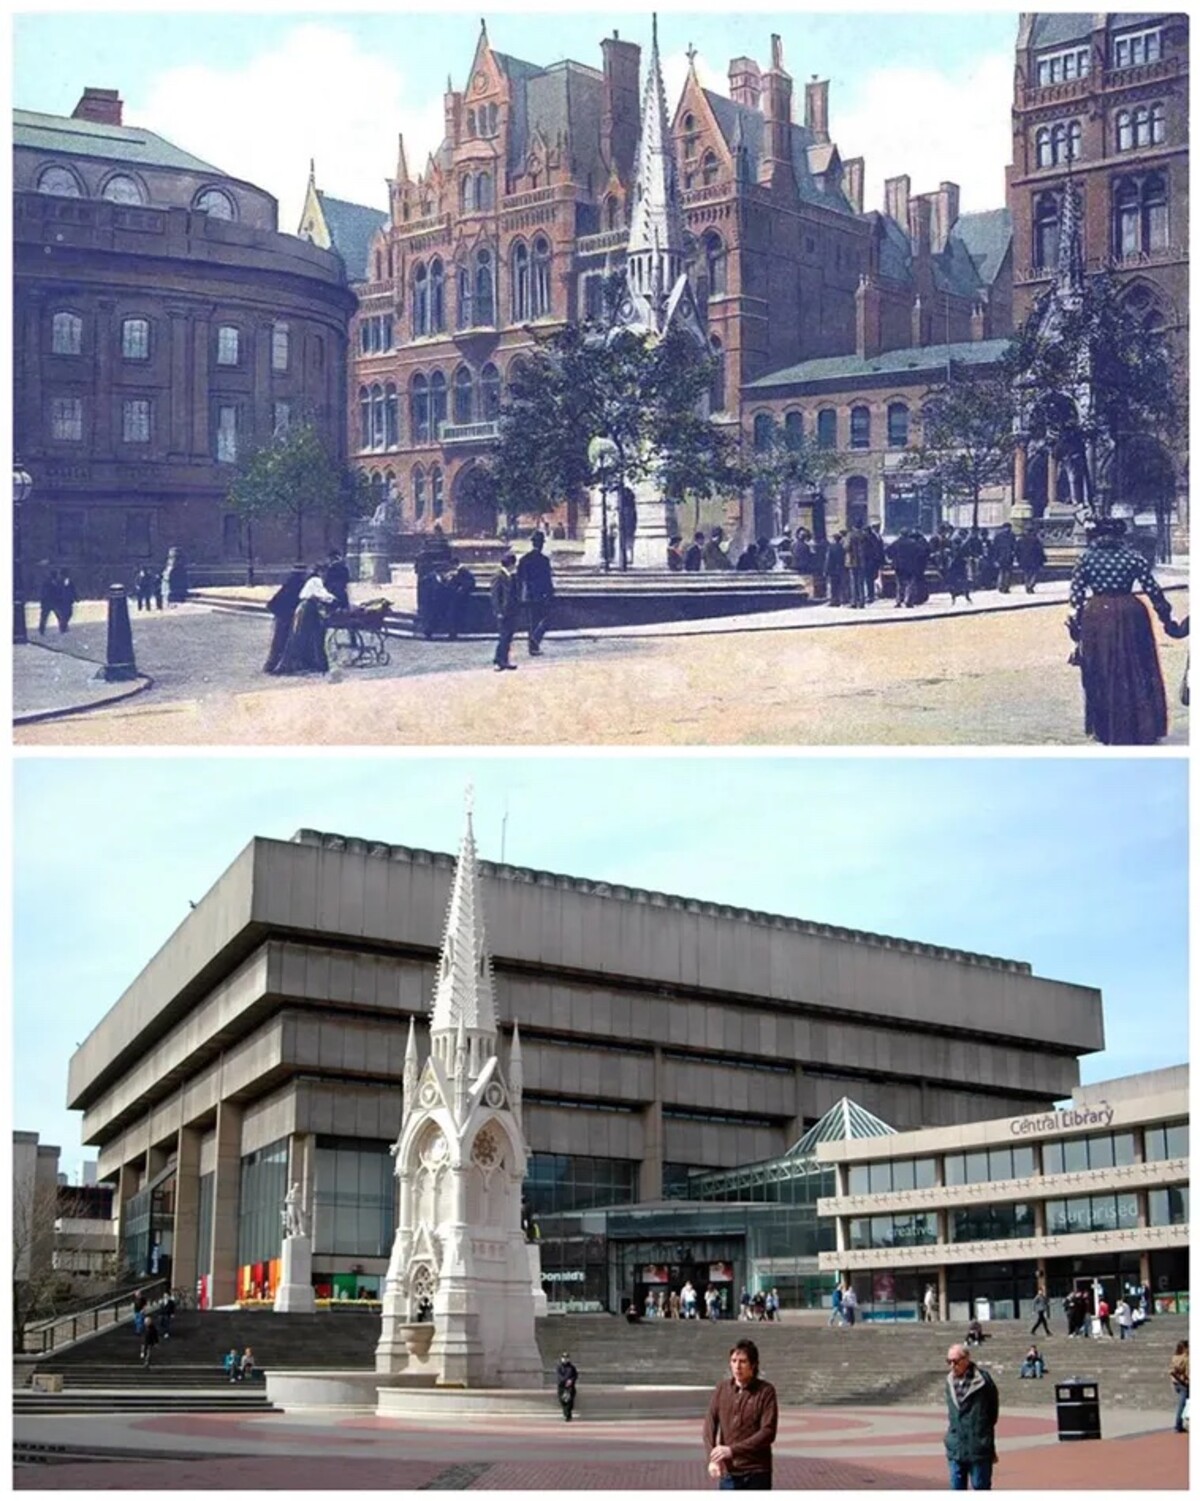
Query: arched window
x=689 y=137
x=1158 y=124
x=437 y=403
x=215 y=203
x=418 y=484
x=464 y=396
x=1045 y=231
x=714 y=264
x=436 y=492
x=420 y=317
x=376 y=415
x=419 y=409
x=489 y=394
x=466 y=194
x=612 y=213
x=716 y=388
x=493 y=114
x=376 y=483
x=1074 y=140
x=379 y=265
x=540 y=288
x=897 y=424
x=793 y=429
x=1058 y=136
x=390 y=491
x=121 y=188
x=466 y=283
x=517 y=371
x=483 y=190
x=1124 y=130
x=1140 y=215
x=135 y=339
x=60 y=181
x=1045 y=153
x=520 y=282
x=471 y=123
x=485 y=290
x=827 y=428
x=437 y=297
x=764 y=425
x=860 y=427
x=364 y=417
x=66 y=334
x=391 y=417
x=709 y=168
x=856 y=501
x=391 y=264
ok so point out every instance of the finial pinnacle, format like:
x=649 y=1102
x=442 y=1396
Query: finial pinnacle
x=691 y=55
x=469 y=799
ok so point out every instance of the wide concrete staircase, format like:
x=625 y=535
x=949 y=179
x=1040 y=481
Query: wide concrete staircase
x=871 y=1364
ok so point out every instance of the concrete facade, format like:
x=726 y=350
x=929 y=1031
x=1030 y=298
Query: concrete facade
x=655 y=1029
x=1132 y=1107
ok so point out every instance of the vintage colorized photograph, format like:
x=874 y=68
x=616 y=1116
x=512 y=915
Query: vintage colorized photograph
x=788 y=378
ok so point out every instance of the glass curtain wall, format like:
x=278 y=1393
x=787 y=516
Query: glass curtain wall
x=260 y=1202
x=354 y=1202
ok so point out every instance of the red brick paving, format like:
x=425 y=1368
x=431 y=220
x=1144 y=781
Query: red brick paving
x=1154 y=1461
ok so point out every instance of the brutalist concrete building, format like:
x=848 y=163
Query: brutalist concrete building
x=662 y=1037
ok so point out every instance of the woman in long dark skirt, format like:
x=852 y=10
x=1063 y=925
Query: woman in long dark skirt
x=305 y=649
x=282 y=606
x=1124 y=699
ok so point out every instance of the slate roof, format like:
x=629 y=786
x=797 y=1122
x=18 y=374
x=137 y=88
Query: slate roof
x=1059 y=30
x=351 y=226
x=61 y=135
x=923 y=359
x=730 y=115
x=969 y=264
x=985 y=237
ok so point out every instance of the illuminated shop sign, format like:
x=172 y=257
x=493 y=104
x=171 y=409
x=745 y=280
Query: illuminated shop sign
x=563 y=1277
x=1062 y=1120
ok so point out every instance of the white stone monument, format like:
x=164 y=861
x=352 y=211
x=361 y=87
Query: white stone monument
x=658 y=296
x=460 y=1163
x=295 y=1291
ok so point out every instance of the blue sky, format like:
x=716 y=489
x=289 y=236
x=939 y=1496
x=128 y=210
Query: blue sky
x=258 y=95
x=1079 y=867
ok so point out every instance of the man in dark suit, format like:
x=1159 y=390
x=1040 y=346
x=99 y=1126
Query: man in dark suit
x=506 y=606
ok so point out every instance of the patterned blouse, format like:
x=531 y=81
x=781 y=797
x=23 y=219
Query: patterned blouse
x=1115 y=570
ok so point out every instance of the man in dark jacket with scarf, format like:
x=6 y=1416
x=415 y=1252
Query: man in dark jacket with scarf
x=568 y=1378
x=973 y=1407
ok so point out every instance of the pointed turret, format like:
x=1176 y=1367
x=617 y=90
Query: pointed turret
x=1068 y=276
x=516 y=1074
x=656 y=238
x=401 y=161
x=411 y=1072
x=463 y=999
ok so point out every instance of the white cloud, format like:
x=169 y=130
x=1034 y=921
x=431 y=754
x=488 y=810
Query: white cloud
x=319 y=95
x=933 y=127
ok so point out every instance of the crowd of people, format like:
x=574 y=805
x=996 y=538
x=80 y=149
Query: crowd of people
x=301 y=607
x=846 y=567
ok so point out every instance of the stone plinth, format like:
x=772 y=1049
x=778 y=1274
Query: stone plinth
x=655 y=520
x=596 y=1403
x=295 y=1291
x=374 y=567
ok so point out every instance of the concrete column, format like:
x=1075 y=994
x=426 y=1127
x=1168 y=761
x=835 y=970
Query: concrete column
x=225 y=1203
x=128 y=1180
x=651 y=1184
x=843 y=1235
x=197 y=398
x=187 y=1209
x=156 y=1159
x=943 y=1295
x=1039 y=1218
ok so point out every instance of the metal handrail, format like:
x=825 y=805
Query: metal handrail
x=75 y=1326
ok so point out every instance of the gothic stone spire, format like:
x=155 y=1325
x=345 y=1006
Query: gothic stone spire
x=655 y=257
x=464 y=981
x=1068 y=278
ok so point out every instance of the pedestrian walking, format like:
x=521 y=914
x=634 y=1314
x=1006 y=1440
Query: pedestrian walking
x=304 y=649
x=1125 y=702
x=337 y=580
x=1004 y=553
x=856 y=564
x=675 y=554
x=835 y=1308
x=972 y=1408
x=1124 y=1318
x=772 y=1306
x=536 y=583
x=874 y=555
x=568 y=1378
x=166 y=1314
x=65 y=607
x=835 y=569
x=1031 y=557
x=459 y=587
x=740 y=1427
x=149 y=1339
x=849 y=1305
x=282 y=605
x=1041 y=1308
x=929 y=1304
x=687 y=1300
x=1179 y=1382
x=716 y=559
x=1104 y=1317
x=693 y=558
x=506 y=606
x=48 y=599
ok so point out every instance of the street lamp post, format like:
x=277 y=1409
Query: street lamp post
x=22 y=488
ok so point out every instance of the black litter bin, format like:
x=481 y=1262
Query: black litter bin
x=1078 y=1402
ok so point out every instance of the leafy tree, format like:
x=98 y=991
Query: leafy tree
x=967 y=434
x=643 y=396
x=293 y=478
x=1125 y=366
x=780 y=462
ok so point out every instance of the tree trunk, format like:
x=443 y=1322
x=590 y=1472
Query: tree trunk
x=250 y=553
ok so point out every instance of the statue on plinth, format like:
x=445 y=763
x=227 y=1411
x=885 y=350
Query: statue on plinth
x=294 y=1292
x=292 y=1213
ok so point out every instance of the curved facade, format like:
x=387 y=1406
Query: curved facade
x=162 y=327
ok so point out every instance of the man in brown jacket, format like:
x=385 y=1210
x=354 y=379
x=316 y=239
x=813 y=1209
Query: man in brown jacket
x=740 y=1427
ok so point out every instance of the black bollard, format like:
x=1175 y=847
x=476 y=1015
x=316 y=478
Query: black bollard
x=120 y=666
